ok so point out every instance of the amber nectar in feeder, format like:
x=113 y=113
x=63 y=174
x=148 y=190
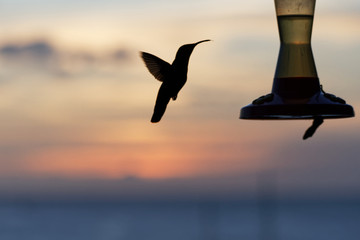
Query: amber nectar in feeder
x=296 y=91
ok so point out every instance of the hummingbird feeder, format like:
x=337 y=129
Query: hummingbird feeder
x=296 y=91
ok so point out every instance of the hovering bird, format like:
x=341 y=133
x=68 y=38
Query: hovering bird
x=311 y=130
x=173 y=77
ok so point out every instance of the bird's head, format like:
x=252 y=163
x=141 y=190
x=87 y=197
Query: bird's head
x=184 y=52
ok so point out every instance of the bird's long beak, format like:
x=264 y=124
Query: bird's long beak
x=207 y=40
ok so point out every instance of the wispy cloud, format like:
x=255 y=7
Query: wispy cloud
x=42 y=57
x=39 y=49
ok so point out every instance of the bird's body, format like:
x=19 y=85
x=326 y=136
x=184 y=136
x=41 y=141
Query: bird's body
x=173 y=77
x=311 y=130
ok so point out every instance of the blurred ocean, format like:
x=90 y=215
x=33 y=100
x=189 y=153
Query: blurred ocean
x=251 y=220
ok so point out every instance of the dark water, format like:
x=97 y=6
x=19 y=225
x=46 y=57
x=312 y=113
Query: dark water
x=179 y=221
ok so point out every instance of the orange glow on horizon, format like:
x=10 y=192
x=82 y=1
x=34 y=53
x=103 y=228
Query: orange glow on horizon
x=147 y=162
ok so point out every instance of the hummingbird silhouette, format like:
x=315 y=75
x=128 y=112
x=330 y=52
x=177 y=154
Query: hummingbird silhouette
x=311 y=130
x=173 y=76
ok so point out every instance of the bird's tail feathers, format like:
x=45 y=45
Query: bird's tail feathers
x=159 y=109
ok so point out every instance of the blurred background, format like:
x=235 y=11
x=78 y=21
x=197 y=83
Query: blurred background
x=79 y=158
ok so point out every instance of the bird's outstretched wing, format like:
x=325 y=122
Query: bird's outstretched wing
x=162 y=101
x=311 y=130
x=157 y=67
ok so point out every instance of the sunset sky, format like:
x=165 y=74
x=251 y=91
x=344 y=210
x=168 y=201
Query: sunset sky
x=76 y=100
